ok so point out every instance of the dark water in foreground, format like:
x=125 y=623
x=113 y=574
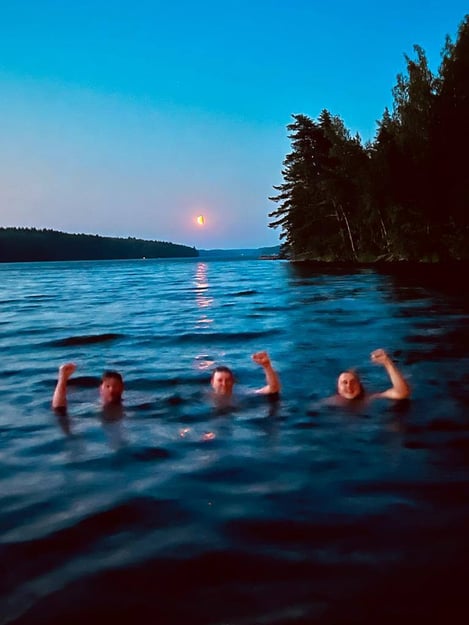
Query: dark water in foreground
x=289 y=514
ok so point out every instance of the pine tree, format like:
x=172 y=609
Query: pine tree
x=450 y=143
x=300 y=214
x=405 y=195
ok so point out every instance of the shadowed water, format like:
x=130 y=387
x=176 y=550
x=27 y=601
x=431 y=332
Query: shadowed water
x=288 y=512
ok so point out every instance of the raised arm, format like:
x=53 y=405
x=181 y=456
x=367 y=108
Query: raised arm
x=400 y=388
x=59 y=398
x=271 y=377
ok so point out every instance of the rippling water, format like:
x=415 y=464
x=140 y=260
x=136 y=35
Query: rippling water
x=290 y=514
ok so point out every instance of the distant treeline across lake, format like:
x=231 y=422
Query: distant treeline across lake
x=30 y=244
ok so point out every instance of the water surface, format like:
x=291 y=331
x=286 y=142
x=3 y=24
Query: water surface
x=290 y=513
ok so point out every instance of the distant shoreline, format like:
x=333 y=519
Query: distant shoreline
x=381 y=263
x=33 y=245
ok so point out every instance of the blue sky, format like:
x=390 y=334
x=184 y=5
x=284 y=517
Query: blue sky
x=131 y=118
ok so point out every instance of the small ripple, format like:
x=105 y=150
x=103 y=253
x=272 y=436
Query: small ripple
x=224 y=337
x=85 y=340
x=244 y=293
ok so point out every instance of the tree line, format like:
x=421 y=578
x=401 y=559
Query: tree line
x=29 y=244
x=402 y=196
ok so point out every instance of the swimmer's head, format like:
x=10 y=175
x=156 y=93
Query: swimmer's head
x=222 y=381
x=111 y=388
x=349 y=385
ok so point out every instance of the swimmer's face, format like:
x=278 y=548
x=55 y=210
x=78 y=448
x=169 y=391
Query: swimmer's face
x=222 y=382
x=348 y=385
x=111 y=390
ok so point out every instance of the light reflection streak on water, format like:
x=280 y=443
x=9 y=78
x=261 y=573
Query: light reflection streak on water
x=201 y=286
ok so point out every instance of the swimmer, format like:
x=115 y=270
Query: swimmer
x=112 y=412
x=110 y=389
x=350 y=388
x=222 y=380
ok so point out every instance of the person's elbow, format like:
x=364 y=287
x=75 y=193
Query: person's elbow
x=403 y=392
x=274 y=387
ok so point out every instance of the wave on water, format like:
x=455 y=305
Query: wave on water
x=166 y=382
x=84 y=381
x=224 y=337
x=244 y=293
x=85 y=339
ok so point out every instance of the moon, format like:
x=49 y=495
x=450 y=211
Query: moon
x=201 y=220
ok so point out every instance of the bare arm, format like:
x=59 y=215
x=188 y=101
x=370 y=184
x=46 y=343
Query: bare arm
x=59 y=399
x=400 y=388
x=271 y=376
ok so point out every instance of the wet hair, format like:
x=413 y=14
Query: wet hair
x=223 y=369
x=113 y=375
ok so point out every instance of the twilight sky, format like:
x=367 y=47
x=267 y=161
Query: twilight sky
x=131 y=118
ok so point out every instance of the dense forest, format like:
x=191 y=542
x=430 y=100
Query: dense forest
x=403 y=196
x=29 y=244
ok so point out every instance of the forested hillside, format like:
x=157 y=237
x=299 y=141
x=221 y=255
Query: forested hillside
x=405 y=195
x=29 y=244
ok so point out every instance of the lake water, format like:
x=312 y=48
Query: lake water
x=290 y=514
